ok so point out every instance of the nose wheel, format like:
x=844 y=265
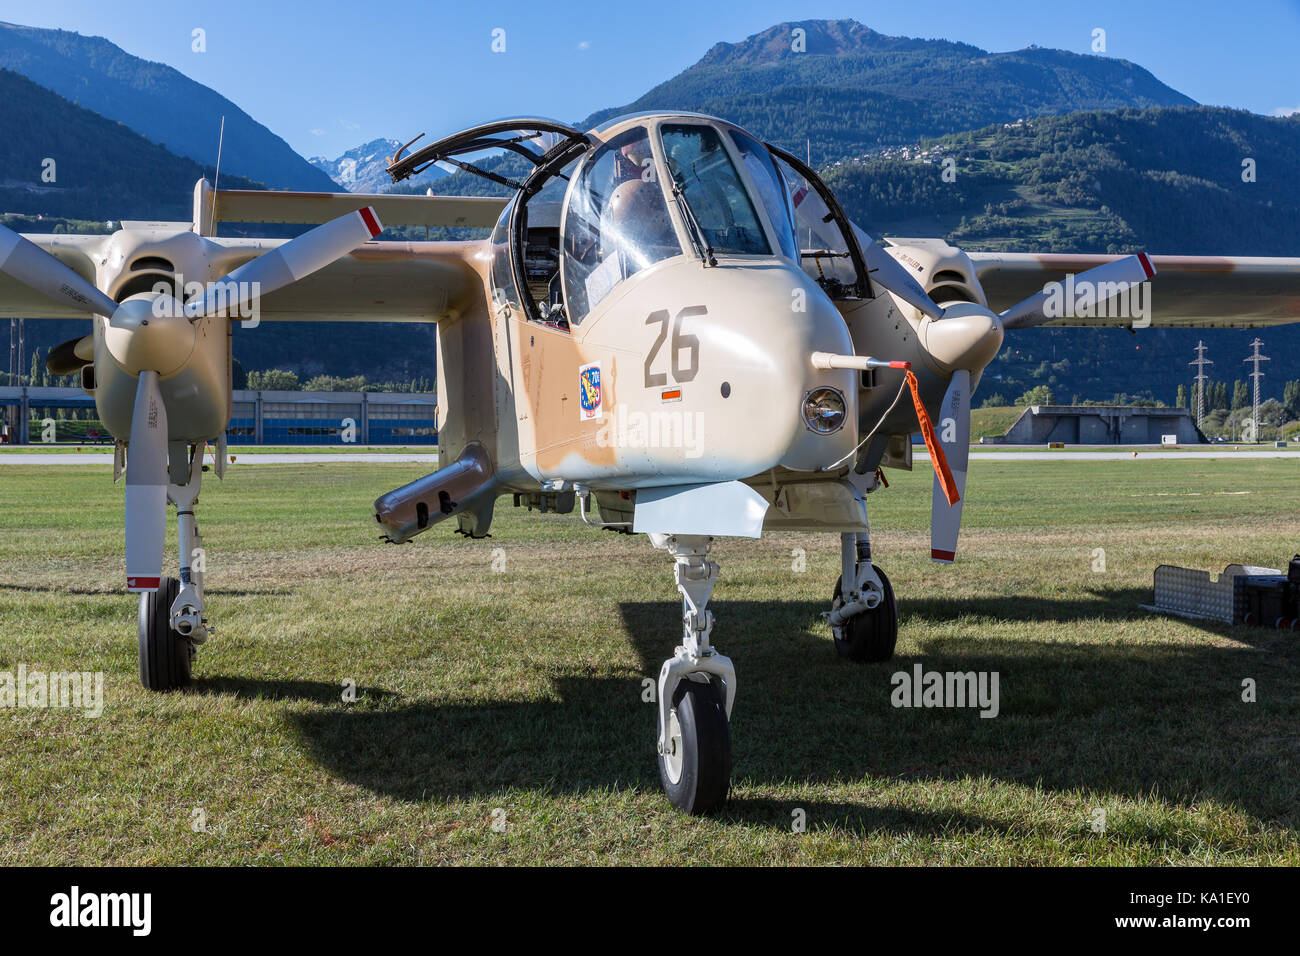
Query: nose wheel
x=863 y=617
x=869 y=635
x=695 y=767
x=164 y=655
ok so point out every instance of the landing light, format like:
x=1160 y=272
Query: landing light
x=824 y=410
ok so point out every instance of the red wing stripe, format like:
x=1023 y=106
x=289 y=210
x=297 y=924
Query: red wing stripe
x=143 y=582
x=937 y=555
x=372 y=223
x=1147 y=267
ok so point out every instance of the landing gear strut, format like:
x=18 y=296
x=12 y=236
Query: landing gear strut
x=697 y=687
x=863 y=616
x=172 y=625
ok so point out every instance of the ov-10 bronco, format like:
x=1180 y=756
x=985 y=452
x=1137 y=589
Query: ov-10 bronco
x=673 y=329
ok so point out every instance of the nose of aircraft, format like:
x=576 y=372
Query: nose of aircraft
x=819 y=407
x=968 y=336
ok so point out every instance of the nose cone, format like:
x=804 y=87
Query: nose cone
x=148 y=332
x=967 y=337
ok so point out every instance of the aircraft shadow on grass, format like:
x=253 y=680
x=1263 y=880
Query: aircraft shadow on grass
x=1125 y=720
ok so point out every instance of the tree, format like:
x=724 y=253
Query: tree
x=274 y=379
x=1291 y=399
x=238 y=377
x=1038 y=395
x=1240 y=395
x=1181 y=400
x=994 y=401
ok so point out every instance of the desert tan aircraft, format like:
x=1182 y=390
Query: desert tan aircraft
x=673 y=329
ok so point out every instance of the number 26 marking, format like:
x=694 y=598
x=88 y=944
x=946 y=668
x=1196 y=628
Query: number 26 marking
x=681 y=342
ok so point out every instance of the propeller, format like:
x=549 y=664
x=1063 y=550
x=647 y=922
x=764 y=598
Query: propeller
x=37 y=269
x=894 y=277
x=146 y=487
x=954 y=437
x=150 y=349
x=296 y=259
x=964 y=337
x=1131 y=270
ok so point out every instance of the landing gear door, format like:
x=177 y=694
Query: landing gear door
x=829 y=249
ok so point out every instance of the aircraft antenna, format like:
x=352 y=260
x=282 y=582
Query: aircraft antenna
x=216 y=173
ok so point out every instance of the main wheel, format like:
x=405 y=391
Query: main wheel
x=871 y=635
x=696 y=769
x=164 y=654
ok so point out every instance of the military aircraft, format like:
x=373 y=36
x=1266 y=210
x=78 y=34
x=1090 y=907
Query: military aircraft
x=673 y=329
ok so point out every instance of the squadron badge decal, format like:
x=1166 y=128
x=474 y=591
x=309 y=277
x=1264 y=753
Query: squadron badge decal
x=589 y=399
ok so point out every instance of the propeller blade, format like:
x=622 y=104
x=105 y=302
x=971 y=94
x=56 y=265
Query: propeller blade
x=35 y=268
x=296 y=259
x=894 y=277
x=954 y=438
x=68 y=357
x=1131 y=270
x=146 y=487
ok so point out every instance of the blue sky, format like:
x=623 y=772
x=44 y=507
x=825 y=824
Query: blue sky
x=327 y=75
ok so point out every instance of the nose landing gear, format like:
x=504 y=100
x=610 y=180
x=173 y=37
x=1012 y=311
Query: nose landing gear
x=864 y=620
x=171 y=622
x=697 y=687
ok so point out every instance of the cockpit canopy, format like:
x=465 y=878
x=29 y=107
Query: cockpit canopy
x=599 y=209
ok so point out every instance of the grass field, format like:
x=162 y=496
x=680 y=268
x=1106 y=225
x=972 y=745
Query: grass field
x=516 y=696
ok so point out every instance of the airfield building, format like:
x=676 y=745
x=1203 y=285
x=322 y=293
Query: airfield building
x=258 y=417
x=1101 y=425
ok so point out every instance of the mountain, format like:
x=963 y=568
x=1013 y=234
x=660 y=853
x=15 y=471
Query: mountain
x=881 y=113
x=101 y=169
x=158 y=102
x=1161 y=180
x=364 y=169
x=853 y=89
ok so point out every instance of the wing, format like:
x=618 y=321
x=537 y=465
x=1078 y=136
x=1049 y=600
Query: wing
x=1187 y=291
x=377 y=282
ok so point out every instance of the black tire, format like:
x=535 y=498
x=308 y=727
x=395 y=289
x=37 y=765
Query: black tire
x=705 y=771
x=871 y=635
x=164 y=654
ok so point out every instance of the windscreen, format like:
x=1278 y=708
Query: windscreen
x=616 y=223
x=702 y=170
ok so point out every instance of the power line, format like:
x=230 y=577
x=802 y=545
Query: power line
x=1256 y=358
x=1201 y=379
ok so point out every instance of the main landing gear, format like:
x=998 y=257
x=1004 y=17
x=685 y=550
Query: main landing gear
x=697 y=687
x=863 y=618
x=172 y=625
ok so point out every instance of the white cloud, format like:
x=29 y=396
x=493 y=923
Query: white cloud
x=1286 y=111
x=584 y=45
x=316 y=132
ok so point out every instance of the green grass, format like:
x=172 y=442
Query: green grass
x=521 y=690
x=993 y=421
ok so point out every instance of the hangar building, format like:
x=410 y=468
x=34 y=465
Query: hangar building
x=1101 y=425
